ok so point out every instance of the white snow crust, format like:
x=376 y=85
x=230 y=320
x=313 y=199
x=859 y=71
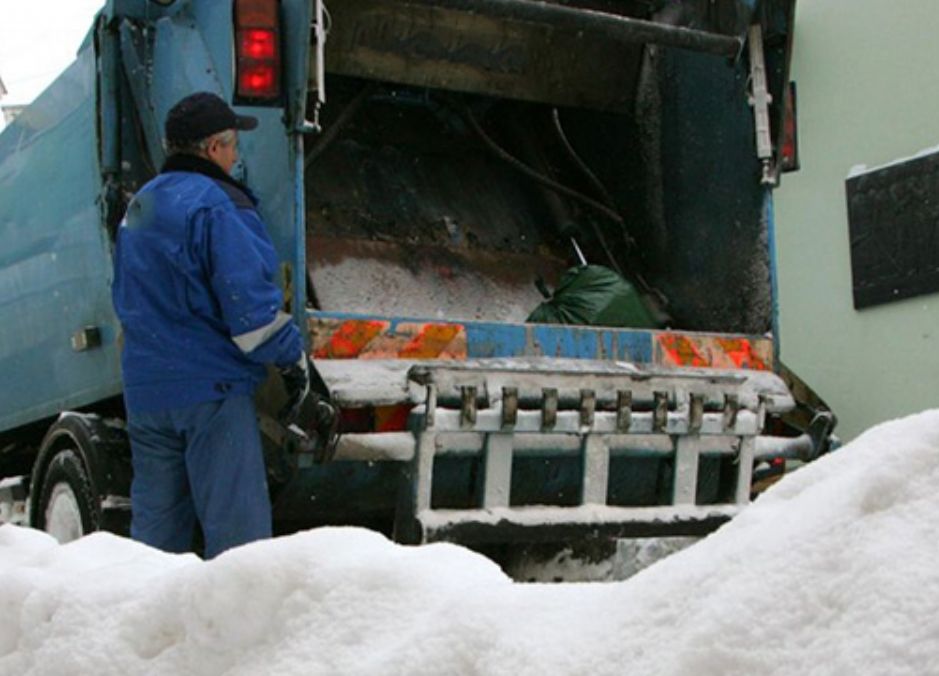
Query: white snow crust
x=832 y=571
x=364 y=286
x=859 y=169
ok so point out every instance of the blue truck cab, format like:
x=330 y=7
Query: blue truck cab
x=424 y=167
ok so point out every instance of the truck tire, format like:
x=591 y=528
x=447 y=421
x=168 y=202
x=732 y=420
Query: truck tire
x=67 y=507
x=83 y=458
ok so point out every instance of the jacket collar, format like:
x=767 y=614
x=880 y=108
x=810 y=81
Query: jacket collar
x=199 y=165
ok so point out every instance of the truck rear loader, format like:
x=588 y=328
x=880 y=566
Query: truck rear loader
x=430 y=170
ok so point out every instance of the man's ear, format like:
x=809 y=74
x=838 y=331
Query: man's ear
x=212 y=149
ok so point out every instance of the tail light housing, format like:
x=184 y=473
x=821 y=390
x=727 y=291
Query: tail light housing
x=789 y=157
x=257 y=50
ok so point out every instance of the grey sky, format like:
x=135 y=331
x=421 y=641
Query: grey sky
x=38 y=39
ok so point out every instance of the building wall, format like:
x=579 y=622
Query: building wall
x=868 y=94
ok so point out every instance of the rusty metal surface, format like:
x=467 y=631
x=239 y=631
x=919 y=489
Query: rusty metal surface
x=447 y=47
x=408 y=215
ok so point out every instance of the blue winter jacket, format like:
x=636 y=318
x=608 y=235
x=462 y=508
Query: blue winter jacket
x=194 y=273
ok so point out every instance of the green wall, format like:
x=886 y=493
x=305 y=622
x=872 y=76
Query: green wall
x=867 y=73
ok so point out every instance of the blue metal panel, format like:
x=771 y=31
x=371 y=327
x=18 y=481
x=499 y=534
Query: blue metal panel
x=55 y=262
x=494 y=340
x=109 y=97
x=269 y=156
x=142 y=10
x=576 y=342
x=297 y=16
x=573 y=342
x=182 y=64
x=770 y=218
x=592 y=343
x=214 y=23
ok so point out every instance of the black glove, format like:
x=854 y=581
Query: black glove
x=327 y=430
x=297 y=384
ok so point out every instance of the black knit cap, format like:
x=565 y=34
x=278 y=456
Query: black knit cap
x=202 y=114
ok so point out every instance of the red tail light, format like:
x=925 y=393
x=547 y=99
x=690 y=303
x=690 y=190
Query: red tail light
x=257 y=41
x=789 y=159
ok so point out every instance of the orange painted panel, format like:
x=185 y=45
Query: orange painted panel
x=676 y=349
x=373 y=339
x=430 y=342
x=348 y=340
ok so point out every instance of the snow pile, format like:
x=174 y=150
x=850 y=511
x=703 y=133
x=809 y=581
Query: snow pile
x=833 y=571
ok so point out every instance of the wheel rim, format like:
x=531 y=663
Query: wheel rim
x=63 y=516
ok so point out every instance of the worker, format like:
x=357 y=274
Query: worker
x=194 y=289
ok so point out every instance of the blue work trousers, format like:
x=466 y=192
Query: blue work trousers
x=201 y=462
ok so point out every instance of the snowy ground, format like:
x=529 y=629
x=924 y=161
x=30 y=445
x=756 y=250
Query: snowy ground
x=833 y=571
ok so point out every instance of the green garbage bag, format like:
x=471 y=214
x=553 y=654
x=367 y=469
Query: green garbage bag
x=594 y=295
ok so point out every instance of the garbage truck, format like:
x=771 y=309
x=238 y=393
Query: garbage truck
x=530 y=245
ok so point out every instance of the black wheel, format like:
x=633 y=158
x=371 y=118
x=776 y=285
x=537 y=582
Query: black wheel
x=80 y=477
x=68 y=506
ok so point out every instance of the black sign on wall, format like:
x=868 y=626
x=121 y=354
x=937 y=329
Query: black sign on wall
x=893 y=220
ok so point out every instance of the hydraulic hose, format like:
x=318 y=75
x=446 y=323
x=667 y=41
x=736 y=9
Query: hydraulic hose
x=554 y=185
x=577 y=160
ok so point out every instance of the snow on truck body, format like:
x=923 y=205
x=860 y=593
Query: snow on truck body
x=414 y=162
